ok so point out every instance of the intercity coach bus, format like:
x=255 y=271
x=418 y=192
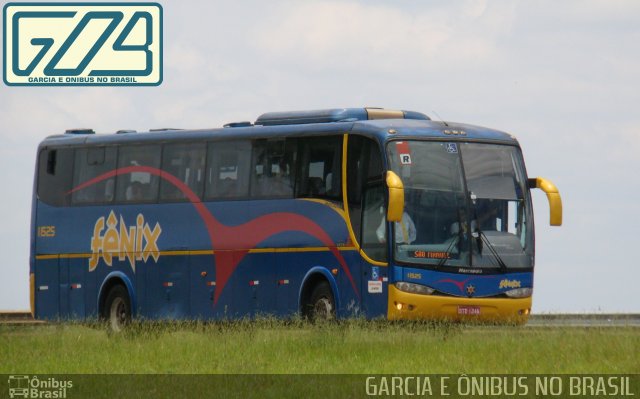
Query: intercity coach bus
x=330 y=213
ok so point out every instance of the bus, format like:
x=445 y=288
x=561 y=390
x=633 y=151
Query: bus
x=325 y=214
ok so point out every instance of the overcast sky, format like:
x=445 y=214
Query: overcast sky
x=563 y=76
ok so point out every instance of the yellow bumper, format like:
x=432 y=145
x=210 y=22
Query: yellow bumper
x=406 y=306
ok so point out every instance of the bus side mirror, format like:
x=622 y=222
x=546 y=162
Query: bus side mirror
x=396 y=197
x=553 y=195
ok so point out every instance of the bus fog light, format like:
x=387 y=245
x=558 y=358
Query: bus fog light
x=519 y=293
x=413 y=288
x=404 y=306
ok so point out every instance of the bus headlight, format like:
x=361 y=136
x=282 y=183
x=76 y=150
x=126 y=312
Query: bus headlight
x=519 y=293
x=413 y=288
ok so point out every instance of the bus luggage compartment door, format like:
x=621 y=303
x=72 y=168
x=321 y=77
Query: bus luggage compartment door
x=202 y=286
x=47 y=289
x=71 y=288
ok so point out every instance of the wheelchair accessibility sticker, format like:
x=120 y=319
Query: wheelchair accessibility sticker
x=374 y=285
x=82 y=44
x=375 y=273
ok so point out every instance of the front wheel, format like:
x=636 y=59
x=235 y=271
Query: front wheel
x=117 y=308
x=321 y=304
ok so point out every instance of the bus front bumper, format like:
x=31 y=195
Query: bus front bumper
x=407 y=306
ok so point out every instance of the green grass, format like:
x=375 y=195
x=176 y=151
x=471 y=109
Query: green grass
x=351 y=346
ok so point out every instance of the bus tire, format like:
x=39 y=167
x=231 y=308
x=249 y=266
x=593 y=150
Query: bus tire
x=117 y=308
x=322 y=305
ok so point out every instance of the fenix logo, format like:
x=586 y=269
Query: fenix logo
x=68 y=44
x=112 y=238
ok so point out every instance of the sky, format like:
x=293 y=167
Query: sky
x=563 y=77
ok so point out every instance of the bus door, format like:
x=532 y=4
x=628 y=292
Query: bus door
x=366 y=202
x=374 y=251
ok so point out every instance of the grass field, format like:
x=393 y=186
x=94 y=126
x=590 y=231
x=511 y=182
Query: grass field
x=351 y=346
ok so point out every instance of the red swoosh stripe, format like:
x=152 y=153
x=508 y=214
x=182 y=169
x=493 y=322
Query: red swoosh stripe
x=224 y=237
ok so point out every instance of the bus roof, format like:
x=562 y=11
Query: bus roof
x=380 y=124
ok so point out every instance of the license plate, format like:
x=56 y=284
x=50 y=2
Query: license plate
x=469 y=310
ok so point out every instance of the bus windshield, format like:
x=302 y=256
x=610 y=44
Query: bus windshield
x=466 y=205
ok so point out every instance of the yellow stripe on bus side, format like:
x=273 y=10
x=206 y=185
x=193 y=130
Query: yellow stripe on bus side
x=307 y=249
x=204 y=252
x=63 y=256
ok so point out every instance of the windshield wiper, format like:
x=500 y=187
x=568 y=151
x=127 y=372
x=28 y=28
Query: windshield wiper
x=448 y=251
x=492 y=250
x=481 y=237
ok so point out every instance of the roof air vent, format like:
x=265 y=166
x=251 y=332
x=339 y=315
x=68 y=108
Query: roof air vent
x=334 y=115
x=238 y=124
x=79 y=131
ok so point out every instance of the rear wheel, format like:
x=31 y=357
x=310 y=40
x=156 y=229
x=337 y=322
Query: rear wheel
x=117 y=308
x=322 y=305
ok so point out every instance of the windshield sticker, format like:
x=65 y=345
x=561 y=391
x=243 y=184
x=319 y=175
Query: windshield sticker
x=404 y=152
x=452 y=148
x=405 y=159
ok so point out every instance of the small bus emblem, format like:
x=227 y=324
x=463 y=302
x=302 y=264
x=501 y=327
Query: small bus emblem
x=18 y=386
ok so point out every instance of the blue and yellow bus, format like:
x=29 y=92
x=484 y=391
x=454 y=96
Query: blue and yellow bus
x=329 y=213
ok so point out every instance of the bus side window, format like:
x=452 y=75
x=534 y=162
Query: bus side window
x=320 y=164
x=55 y=169
x=138 y=185
x=89 y=164
x=186 y=163
x=273 y=171
x=228 y=165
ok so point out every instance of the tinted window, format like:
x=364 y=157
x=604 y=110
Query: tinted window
x=228 y=167
x=364 y=170
x=138 y=185
x=273 y=171
x=186 y=163
x=55 y=168
x=320 y=166
x=91 y=163
x=374 y=229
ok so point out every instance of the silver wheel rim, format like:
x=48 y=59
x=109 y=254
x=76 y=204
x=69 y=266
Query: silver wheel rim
x=323 y=309
x=118 y=314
